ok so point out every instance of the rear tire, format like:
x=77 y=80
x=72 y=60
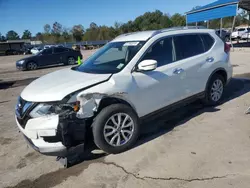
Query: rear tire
x=116 y=128
x=214 y=91
x=31 y=65
x=71 y=61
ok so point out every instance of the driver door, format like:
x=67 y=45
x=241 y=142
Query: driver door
x=47 y=57
x=161 y=87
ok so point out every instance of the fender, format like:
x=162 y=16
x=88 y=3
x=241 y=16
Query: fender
x=212 y=74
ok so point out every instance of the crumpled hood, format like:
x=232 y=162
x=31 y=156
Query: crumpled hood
x=55 y=86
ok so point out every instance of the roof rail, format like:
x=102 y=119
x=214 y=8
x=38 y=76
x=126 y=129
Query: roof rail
x=177 y=28
x=182 y=28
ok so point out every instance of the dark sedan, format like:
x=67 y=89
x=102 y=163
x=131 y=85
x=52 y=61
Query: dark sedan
x=48 y=57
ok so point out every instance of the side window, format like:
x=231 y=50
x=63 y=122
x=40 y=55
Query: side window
x=162 y=52
x=187 y=46
x=47 y=51
x=59 y=50
x=241 y=29
x=208 y=41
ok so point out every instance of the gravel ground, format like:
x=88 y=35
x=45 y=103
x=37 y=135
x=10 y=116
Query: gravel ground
x=192 y=147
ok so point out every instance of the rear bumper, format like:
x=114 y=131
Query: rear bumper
x=235 y=37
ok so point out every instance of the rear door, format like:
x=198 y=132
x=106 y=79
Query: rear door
x=59 y=53
x=191 y=59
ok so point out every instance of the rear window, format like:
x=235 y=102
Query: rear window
x=208 y=41
x=187 y=46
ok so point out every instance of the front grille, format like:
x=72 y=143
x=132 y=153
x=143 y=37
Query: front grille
x=22 y=109
x=23 y=121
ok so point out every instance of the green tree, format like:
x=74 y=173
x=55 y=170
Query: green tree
x=66 y=35
x=57 y=28
x=26 y=34
x=39 y=36
x=47 y=28
x=178 y=20
x=78 y=32
x=150 y=21
x=12 y=35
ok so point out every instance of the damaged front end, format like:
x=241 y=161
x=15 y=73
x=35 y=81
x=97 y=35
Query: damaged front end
x=60 y=128
x=65 y=122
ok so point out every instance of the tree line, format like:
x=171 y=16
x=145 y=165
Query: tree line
x=57 y=33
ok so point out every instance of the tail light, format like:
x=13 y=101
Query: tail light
x=227 y=48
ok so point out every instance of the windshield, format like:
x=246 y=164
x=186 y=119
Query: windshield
x=111 y=58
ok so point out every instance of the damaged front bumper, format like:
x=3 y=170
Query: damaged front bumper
x=54 y=135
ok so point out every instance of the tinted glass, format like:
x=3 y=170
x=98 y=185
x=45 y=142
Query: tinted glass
x=187 y=46
x=248 y=29
x=241 y=29
x=47 y=51
x=59 y=50
x=162 y=52
x=208 y=41
x=111 y=58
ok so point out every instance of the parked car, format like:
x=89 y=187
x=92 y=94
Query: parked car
x=13 y=52
x=35 y=50
x=133 y=77
x=49 y=46
x=237 y=33
x=47 y=57
x=76 y=47
x=27 y=50
x=246 y=36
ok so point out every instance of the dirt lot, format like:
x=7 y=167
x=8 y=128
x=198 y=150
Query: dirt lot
x=193 y=147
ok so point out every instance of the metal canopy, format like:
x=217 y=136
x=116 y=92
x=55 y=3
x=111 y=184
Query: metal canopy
x=244 y=4
x=217 y=9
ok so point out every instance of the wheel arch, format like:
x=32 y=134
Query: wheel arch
x=107 y=101
x=34 y=61
x=219 y=71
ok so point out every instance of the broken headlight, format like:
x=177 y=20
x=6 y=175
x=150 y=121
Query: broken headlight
x=43 y=110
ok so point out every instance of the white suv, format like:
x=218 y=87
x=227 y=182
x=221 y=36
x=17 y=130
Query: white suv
x=237 y=33
x=130 y=78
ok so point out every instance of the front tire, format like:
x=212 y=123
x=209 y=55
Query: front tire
x=215 y=90
x=116 y=128
x=31 y=65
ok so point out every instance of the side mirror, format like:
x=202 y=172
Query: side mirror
x=147 y=65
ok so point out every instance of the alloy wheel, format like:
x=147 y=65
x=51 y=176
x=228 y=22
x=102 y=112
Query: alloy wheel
x=32 y=66
x=216 y=90
x=71 y=61
x=119 y=129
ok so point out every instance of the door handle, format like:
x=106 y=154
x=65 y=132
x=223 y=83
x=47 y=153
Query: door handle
x=210 y=59
x=178 y=71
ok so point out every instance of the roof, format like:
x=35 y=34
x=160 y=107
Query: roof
x=244 y=4
x=145 y=35
x=213 y=5
x=136 y=36
x=16 y=41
